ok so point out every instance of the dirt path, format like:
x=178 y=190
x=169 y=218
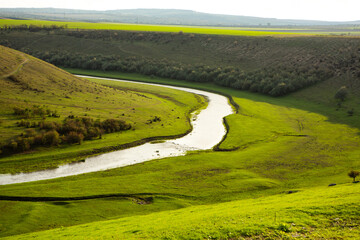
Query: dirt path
x=19 y=67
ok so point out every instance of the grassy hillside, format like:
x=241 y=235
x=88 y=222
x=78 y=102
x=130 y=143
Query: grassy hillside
x=28 y=83
x=270 y=65
x=316 y=213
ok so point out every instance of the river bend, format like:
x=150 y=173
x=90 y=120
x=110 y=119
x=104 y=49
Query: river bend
x=208 y=130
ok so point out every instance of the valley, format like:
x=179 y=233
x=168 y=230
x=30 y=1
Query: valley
x=280 y=172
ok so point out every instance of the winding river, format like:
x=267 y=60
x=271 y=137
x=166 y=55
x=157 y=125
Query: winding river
x=208 y=130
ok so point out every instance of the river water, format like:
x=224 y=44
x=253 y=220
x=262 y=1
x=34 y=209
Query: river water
x=208 y=130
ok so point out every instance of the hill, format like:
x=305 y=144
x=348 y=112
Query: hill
x=271 y=65
x=45 y=111
x=156 y=16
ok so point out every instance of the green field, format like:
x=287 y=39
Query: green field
x=151 y=28
x=316 y=213
x=293 y=143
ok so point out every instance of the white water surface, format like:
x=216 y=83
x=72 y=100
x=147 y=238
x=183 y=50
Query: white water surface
x=208 y=130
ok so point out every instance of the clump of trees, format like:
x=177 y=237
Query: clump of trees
x=73 y=130
x=154 y=119
x=35 y=111
x=274 y=81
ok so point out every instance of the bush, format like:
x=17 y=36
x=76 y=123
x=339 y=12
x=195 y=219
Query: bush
x=74 y=137
x=341 y=94
x=93 y=132
x=30 y=132
x=51 y=138
x=283 y=227
x=113 y=125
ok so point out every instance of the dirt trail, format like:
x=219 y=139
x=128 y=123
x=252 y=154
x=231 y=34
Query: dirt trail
x=17 y=69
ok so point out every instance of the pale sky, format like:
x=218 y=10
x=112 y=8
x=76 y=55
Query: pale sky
x=328 y=10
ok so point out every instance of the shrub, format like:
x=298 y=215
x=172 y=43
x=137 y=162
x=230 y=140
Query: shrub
x=30 y=132
x=48 y=125
x=93 y=132
x=13 y=145
x=341 y=94
x=283 y=227
x=24 y=144
x=113 y=125
x=74 y=137
x=51 y=138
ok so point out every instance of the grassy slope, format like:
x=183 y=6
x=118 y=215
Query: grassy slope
x=246 y=53
x=38 y=83
x=271 y=160
x=147 y=28
x=316 y=213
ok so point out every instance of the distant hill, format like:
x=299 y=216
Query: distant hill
x=156 y=16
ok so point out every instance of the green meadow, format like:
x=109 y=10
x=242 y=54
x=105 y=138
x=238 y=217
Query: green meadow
x=296 y=144
x=316 y=213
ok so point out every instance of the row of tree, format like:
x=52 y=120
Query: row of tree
x=71 y=130
x=32 y=27
x=35 y=111
x=274 y=81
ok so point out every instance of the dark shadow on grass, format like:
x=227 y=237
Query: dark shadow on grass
x=62 y=200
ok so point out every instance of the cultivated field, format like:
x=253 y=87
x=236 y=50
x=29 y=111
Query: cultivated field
x=154 y=28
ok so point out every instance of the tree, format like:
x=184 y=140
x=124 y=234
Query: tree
x=51 y=138
x=341 y=94
x=353 y=174
x=74 y=137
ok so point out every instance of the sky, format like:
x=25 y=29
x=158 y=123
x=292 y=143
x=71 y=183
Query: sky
x=327 y=10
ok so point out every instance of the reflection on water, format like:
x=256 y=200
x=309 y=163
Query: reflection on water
x=208 y=130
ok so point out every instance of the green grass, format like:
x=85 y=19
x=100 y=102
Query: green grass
x=288 y=143
x=148 y=28
x=42 y=84
x=316 y=213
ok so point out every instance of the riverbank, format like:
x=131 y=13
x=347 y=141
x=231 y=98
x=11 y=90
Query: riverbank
x=207 y=131
x=138 y=106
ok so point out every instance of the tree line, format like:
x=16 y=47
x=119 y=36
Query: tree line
x=274 y=81
x=32 y=27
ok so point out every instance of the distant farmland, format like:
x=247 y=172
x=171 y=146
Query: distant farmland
x=158 y=28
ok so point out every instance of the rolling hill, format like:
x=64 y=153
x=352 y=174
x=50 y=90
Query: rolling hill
x=269 y=65
x=37 y=98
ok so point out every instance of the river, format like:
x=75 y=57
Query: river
x=208 y=130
